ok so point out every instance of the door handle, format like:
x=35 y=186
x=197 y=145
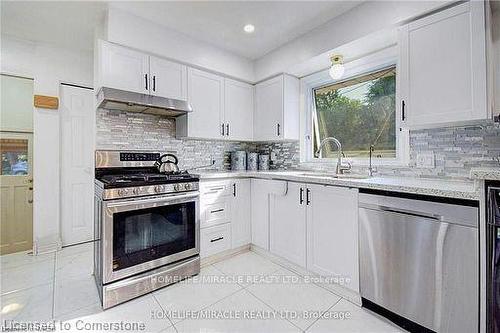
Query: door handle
x=227 y=129
x=234 y=190
x=278 y=129
x=154 y=82
x=217 y=211
x=301 y=196
x=146 y=80
x=222 y=126
x=308 y=201
x=216 y=239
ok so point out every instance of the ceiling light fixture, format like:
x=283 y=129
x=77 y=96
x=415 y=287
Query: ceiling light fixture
x=249 y=28
x=337 y=69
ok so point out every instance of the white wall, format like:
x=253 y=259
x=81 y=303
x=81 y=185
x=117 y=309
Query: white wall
x=48 y=66
x=360 y=21
x=133 y=31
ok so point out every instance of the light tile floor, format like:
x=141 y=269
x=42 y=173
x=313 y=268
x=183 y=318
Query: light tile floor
x=245 y=293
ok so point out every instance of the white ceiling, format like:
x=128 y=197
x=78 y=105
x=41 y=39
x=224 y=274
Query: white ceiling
x=64 y=23
x=220 y=23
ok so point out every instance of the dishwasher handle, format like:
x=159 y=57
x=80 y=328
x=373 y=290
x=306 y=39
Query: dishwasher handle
x=409 y=212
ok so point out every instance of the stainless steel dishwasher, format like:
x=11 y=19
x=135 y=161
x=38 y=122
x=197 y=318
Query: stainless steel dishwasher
x=419 y=260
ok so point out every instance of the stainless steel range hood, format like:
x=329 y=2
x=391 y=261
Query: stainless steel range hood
x=115 y=99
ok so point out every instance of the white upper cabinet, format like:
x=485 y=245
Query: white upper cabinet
x=332 y=233
x=206 y=96
x=238 y=110
x=122 y=68
x=130 y=70
x=277 y=109
x=443 y=68
x=168 y=79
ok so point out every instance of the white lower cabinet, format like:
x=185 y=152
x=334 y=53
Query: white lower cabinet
x=332 y=233
x=240 y=213
x=261 y=189
x=215 y=239
x=287 y=232
x=225 y=215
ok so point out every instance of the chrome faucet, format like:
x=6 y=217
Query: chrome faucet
x=341 y=168
x=371 y=169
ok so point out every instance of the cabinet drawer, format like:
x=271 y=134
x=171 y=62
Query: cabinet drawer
x=215 y=189
x=215 y=239
x=215 y=212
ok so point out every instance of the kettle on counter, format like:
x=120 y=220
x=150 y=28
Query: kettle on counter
x=168 y=165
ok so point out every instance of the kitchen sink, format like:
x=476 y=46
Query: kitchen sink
x=333 y=175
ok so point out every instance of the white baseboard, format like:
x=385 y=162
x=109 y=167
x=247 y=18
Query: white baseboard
x=224 y=255
x=336 y=288
x=47 y=244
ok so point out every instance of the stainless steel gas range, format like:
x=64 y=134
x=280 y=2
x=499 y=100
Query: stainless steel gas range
x=146 y=223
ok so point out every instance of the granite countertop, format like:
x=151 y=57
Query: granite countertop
x=485 y=173
x=435 y=187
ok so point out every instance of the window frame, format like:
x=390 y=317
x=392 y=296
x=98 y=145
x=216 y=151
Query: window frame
x=373 y=62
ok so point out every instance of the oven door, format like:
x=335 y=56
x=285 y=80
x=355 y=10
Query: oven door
x=144 y=233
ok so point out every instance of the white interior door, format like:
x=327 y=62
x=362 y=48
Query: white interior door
x=77 y=164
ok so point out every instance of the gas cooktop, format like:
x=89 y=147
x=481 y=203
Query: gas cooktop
x=141 y=178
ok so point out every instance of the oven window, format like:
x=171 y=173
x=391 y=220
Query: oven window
x=143 y=235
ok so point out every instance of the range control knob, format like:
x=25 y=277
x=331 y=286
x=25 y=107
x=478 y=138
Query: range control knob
x=159 y=188
x=177 y=187
x=188 y=186
x=122 y=192
x=136 y=191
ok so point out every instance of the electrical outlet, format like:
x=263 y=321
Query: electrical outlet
x=426 y=160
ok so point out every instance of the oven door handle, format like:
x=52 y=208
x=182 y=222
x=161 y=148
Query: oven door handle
x=153 y=200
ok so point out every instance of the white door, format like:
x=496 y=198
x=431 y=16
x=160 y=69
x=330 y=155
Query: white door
x=124 y=69
x=287 y=225
x=240 y=213
x=268 y=119
x=332 y=233
x=77 y=164
x=206 y=96
x=238 y=110
x=443 y=67
x=16 y=192
x=168 y=79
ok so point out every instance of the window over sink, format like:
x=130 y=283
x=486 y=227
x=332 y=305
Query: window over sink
x=360 y=110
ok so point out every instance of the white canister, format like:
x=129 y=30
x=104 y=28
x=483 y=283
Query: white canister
x=263 y=162
x=252 y=161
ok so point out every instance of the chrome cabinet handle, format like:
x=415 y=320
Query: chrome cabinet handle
x=146 y=80
x=308 y=201
x=222 y=126
x=217 y=211
x=234 y=190
x=227 y=129
x=301 y=196
x=154 y=82
x=216 y=239
x=403 y=117
x=278 y=129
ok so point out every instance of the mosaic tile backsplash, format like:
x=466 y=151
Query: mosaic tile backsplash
x=121 y=130
x=456 y=150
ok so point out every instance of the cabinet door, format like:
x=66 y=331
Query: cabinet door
x=240 y=213
x=238 y=110
x=124 y=69
x=443 y=67
x=168 y=79
x=260 y=213
x=206 y=95
x=268 y=118
x=332 y=233
x=288 y=224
